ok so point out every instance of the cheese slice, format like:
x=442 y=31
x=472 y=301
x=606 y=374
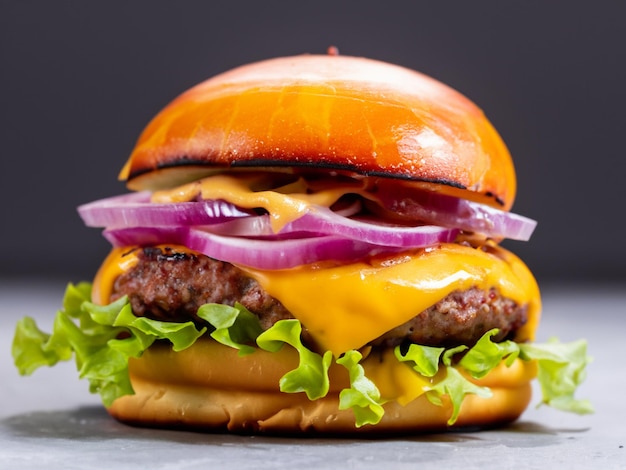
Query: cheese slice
x=119 y=261
x=344 y=307
x=395 y=380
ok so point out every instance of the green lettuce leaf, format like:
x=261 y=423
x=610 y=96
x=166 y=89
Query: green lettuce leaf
x=363 y=397
x=425 y=358
x=427 y=361
x=456 y=387
x=234 y=326
x=561 y=368
x=311 y=375
x=27 y=350
x=101 y=339
x=486 y=355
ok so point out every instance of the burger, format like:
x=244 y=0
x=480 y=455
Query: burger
x=311 y=245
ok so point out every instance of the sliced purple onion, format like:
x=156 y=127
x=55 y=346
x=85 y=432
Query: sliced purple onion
x=453 y=212
x=146 y=236
x=266 y=254
x=261 y=254
x=136 y=210
x=323 y=221
x=438 y=217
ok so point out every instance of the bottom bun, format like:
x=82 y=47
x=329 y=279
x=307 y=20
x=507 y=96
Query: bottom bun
x=208 y=387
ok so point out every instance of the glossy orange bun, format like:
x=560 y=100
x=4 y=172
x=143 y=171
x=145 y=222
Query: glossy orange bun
x=325 y=112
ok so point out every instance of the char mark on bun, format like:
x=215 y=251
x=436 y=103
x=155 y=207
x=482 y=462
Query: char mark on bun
x=302 y=162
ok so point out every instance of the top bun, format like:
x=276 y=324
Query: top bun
x=352 y=115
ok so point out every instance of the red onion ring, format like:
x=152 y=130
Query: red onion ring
x=261 y=254
x=136 y=210
x=133 y=210
x=323 y=221
x=450 y=211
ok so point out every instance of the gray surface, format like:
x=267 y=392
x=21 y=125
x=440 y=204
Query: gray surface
x=49 y=420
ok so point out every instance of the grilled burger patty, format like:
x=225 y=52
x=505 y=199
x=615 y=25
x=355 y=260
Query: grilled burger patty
x=170 y=285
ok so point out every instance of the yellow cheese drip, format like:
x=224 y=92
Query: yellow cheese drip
x=345 y=307
x=284 y=204
x=395 y=380
x=117 y=263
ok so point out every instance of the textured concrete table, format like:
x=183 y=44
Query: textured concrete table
x=50 y=421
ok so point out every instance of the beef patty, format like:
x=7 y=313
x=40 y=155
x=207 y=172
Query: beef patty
x=168 y=285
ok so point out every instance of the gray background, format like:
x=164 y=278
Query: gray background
x=79 y=80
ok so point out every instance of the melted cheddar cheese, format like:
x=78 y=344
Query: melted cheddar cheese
x=346 y=306
x=395 y=380
x=284 y=204
x=119 y=261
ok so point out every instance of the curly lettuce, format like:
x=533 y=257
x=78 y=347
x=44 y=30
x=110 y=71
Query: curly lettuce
x=102 y=339
x=311 y=375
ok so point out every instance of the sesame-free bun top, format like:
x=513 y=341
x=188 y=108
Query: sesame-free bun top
x=345 y=114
